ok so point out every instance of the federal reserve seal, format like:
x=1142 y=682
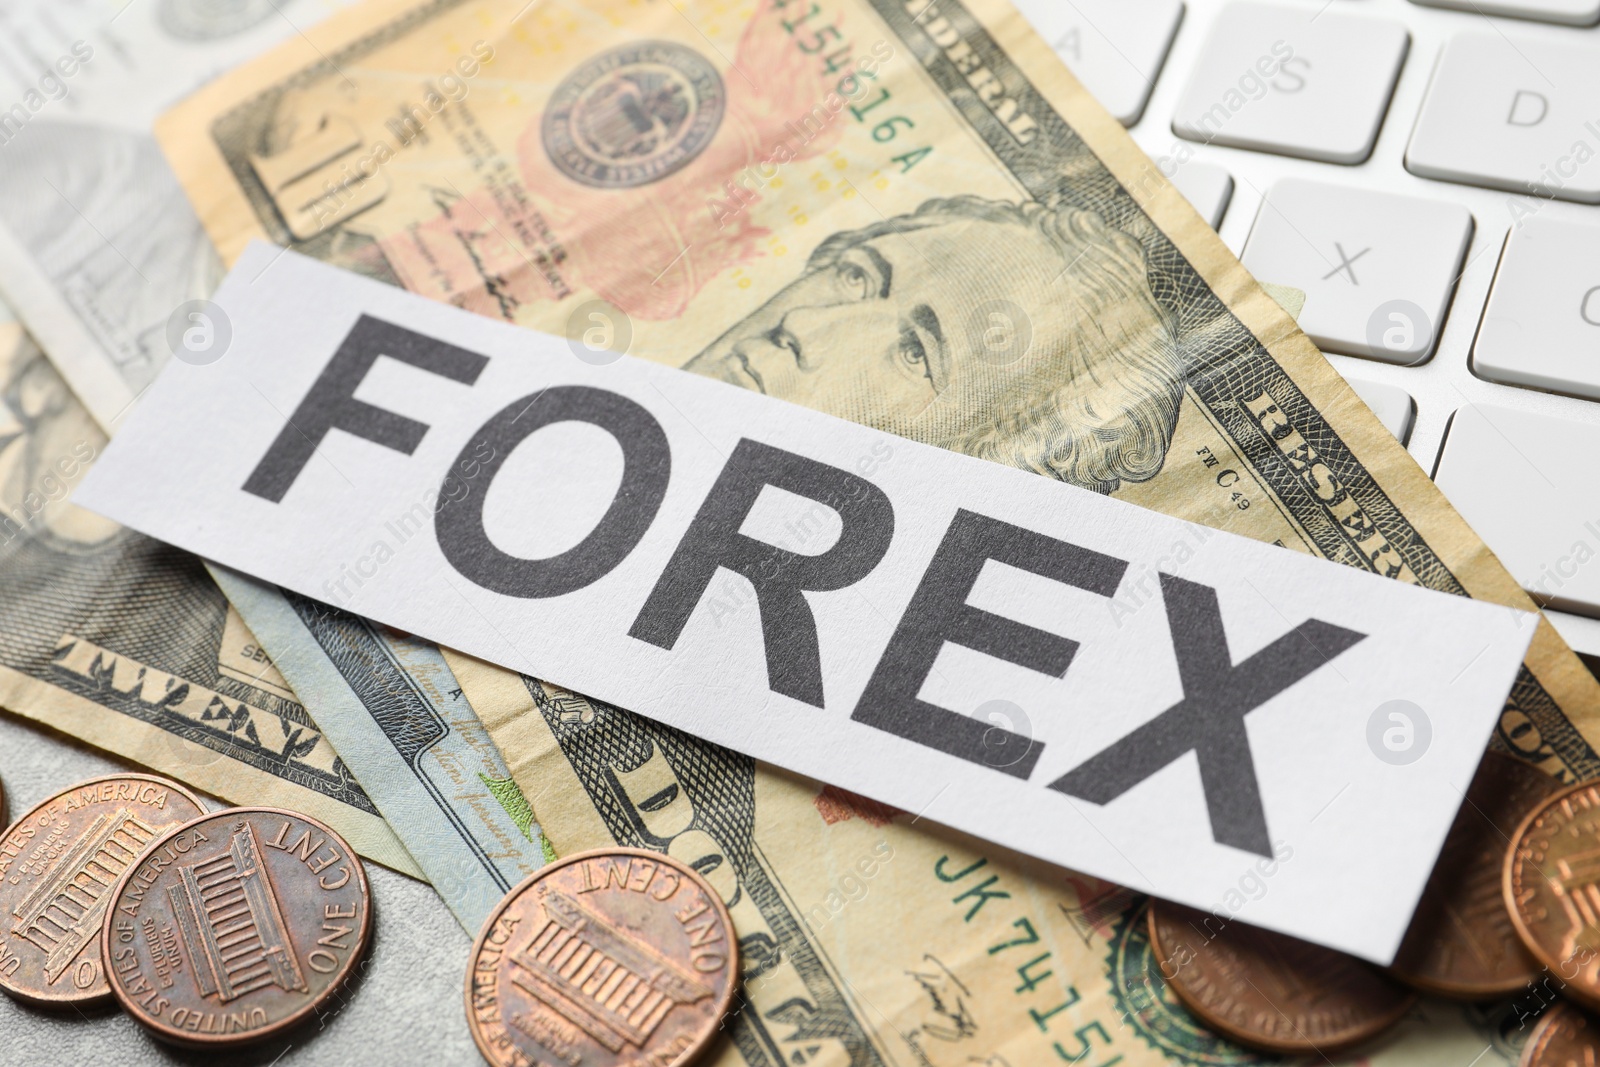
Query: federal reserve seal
x=633 y=115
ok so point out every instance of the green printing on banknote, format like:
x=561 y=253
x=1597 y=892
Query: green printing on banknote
x=511 y=801
x=398 y=717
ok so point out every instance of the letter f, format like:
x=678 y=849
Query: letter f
x=331 y=403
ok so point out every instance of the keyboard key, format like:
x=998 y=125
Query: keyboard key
x=1394 y=407
x=1207 y=187
x=1377 y=269
x=1566 y=12
x=1293 y=80
x=1114 y=47
x=1542 y=326
x=1526 y=484
x=1509 y=115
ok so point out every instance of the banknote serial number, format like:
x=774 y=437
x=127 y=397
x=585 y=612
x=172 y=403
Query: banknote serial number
x=814 y=36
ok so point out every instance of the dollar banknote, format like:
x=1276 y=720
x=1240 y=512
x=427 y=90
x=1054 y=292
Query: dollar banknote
x=98 y=247
x=551 y=164
x=903 y=212
x=393 y=709
x=870 y=936
x=126 y=643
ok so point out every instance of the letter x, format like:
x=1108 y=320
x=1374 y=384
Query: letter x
x=1347 y=263
x=1209 y=720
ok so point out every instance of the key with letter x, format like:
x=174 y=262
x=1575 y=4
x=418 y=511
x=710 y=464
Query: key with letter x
x=1378 y=270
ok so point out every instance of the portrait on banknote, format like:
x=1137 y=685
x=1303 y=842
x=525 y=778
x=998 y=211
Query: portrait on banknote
x=1053 y=356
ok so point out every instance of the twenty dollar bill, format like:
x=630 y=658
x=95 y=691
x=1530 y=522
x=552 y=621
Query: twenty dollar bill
x=126 y=643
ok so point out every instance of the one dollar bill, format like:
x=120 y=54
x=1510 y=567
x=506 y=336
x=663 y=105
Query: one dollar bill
x=904 y=212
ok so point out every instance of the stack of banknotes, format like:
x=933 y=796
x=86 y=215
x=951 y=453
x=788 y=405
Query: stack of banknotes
x=436 y=145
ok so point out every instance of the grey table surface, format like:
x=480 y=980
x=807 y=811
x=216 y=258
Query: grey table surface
x=404 y=1006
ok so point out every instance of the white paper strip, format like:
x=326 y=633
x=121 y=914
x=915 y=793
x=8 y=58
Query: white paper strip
x=1058 y=672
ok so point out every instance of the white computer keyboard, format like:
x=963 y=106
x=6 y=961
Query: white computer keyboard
x=1377 y=154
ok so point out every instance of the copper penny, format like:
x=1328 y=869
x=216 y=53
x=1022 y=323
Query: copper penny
x=236 y=926
x=58 y=865
x=1268 y=991
x=1551 y=882
x=1461 y=942
x=1565 y=1037
x=618 y=956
